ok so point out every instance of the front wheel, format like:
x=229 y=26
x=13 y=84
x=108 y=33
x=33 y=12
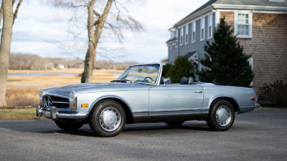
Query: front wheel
x=69 y=126
x=221 y=115
x=108 y=119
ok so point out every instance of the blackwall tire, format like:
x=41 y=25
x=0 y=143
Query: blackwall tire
x=107 y=119
x=221 y=115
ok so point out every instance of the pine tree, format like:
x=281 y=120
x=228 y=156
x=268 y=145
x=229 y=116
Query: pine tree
x=225 y=63
x=165 y=69
x=181 y=68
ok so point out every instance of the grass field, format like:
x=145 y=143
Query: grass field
x=24 y=90
x=29 y=113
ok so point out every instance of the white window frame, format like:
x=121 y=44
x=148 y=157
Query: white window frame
x=181 y=36
x=193 y=26
x=250 y=20
x=210 y=26
x=186 y=34
x=202 y=28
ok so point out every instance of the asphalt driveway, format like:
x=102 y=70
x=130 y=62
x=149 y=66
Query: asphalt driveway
x=258 y=135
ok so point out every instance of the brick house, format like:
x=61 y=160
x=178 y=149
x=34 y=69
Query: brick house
x=261 y=26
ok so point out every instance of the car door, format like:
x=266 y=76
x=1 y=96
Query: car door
x=175 y=99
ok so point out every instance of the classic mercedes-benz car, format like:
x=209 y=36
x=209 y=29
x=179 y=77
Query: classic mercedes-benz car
x=139 y=95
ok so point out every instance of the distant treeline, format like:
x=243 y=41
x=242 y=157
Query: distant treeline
x=35 y=62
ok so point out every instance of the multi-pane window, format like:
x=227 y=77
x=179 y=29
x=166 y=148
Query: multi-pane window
x=176 y=33
x=181 y=36
x=186 y=34
x=193 y=36
x=243 y=24
x=202 y=28
x=210 y=26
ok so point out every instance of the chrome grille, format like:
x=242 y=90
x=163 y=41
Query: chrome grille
x=59 y=102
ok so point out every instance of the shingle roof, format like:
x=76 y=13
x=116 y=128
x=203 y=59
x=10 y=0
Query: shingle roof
x=200 y=8
x=253 y=2
x=272 y=3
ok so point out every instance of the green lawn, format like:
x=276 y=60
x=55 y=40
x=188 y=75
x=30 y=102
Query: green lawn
x=29 y=113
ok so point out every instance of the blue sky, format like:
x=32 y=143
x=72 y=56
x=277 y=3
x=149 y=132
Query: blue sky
x=43 y=30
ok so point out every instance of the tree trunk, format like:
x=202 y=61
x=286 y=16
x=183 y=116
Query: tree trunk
x=94 y=37
x=5 y=47
x=87 y=76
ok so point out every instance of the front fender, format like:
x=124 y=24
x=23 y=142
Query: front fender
x=108 y=97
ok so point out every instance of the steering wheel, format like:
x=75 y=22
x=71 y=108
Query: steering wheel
x=127 y=80
x=148 y=78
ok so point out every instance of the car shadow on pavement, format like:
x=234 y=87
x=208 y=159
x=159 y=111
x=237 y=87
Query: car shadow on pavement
x=189 y=125
x=49 y=127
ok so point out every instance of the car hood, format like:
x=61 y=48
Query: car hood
x=93 y=87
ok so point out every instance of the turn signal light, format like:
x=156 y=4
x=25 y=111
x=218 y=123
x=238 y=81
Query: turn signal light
x=85 y=105
x=253 y=99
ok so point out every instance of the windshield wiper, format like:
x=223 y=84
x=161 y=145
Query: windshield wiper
x=122 y=81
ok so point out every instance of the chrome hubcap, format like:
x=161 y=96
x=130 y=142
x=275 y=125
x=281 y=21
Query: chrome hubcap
x=110 y=119
x=223 y=115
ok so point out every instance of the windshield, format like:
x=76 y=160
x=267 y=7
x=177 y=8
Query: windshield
x=141 y=74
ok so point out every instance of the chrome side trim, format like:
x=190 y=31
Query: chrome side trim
x=176 y=110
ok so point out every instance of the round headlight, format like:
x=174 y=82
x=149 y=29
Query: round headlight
x=72 y=97
x=41 y=94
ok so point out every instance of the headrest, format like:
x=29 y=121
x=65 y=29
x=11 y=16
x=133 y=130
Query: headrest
x=186 y=80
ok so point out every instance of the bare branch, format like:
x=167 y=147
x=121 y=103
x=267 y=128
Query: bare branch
x=16 y=11
x=1 y=13
x=97 y=13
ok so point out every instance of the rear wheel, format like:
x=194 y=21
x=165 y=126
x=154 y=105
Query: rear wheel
x=108 y=119
x=69 y=126
x=176 y=123
x=221 y=115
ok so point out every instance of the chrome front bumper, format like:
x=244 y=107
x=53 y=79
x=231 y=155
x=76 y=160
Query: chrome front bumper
x=54 y=114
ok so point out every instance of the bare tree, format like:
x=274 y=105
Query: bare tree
x=97 y=21
x=5 y=46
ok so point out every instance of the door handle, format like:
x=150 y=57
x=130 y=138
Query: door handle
x=198 y=92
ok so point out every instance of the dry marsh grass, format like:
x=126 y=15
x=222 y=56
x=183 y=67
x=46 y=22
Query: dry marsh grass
x=24 y=90
x=22 y=97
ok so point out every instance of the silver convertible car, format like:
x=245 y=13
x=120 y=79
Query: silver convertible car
x=140 y=95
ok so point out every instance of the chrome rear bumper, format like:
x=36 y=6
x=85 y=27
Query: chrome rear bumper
x=54 y=114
